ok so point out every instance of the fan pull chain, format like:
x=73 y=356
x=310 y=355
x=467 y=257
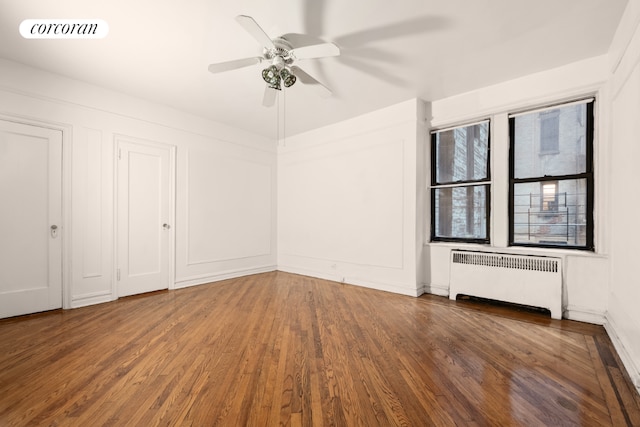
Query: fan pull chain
x=281 y=118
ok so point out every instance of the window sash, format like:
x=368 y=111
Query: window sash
x=435 y=158
x=587 y=175
x=466 y=223
x=565 y=224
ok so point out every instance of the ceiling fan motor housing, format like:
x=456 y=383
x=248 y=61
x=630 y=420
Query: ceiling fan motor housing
x=281 y=60
x=280 y=56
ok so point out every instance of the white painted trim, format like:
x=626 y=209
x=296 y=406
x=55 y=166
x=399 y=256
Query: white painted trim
x=387 y=287
x=566 y=83
x=223 y=275
x=632 y=369
x=114 y=224
x=90 y=299
x=583 y=314
x=479 y=122
x=627 y=27
x=526 y=103
x=346 y=262
x=94 y=98
x=552 y=107
x=629 y=60
x=436 y=289
x=173 y=197
x=518 y=250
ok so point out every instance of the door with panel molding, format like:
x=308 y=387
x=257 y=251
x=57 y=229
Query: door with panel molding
x=30 y=219
x=144 y=216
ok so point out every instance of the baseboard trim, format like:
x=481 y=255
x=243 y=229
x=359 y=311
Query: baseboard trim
x=78 y=301
x=582 y=314
x=356 y=281
x=627 y=360
x=224 y=275
x=435 y=289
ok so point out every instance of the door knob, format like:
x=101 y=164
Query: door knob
x=54 y=230
x=166 y=226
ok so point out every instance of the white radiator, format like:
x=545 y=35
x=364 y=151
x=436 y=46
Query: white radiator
x=529 y=280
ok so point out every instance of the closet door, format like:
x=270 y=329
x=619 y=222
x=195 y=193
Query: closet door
x=144 y=212
x=30 y=219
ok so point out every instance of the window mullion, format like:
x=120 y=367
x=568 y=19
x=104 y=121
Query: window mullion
x=462 y=184
x=584 y=175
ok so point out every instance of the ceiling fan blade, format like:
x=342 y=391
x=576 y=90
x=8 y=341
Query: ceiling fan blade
x=306 y=79
x=232 y=65
x=316 y=51
x=269 y=96
x=252 y=27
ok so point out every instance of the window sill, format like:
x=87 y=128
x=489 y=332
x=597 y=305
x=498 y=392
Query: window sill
x=518 y=250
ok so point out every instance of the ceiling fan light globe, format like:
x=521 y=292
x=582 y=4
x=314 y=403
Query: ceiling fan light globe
x=289 y=81
x=275 y=85
x=270 y=75
x=287 y=77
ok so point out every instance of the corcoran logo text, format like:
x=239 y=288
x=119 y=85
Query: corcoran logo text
x=64 y=28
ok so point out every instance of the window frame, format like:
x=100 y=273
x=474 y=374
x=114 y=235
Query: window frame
x=587 y=175
x=435 y=185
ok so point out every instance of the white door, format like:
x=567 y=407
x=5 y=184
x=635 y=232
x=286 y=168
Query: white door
x=144 y=226
x=30 y=219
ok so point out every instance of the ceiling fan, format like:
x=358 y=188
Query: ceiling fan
x=281 y=56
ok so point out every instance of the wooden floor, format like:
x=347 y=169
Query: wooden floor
x=278 y=348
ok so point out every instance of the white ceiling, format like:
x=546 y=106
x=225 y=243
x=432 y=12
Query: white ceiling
x=391 y=50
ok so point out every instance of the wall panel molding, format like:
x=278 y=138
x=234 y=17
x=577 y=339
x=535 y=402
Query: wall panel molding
x=225 y=222
x=91 y=213
x=338 y=192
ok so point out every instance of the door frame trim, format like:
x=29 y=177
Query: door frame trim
x=117 y=138
x=65 y=232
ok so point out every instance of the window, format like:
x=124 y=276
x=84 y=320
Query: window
x=460 y=188
x=551 y=177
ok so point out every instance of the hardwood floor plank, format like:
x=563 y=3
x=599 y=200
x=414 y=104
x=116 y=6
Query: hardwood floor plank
x=626 y=396
x=615 y=412
x=279 y=348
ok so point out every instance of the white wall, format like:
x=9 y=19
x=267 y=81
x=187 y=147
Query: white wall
x=226 y=211
x=585 y=274
x=347 y=200
x=225 y=189
x=623 y=316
